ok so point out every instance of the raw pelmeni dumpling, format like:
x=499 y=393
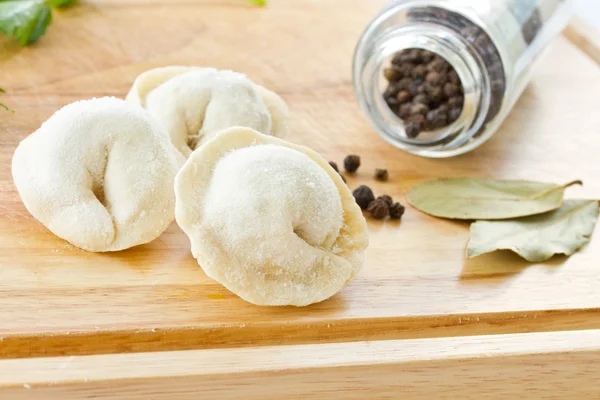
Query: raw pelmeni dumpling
x=194 y=103
x=270 y=220
x=99 y=174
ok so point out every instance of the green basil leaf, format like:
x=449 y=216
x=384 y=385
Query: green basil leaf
x=24 y=20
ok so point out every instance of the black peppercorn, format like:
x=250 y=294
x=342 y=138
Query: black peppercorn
x=412 y=130
x=363 y=196
x=404 y=110
x=421 y=98
x=404 y=83
x=435 y=93
x=379 y=209
x=419 y=72
x=450 y=90
x=456 y=101
x=392 y=73
x=436 y=119
x=433 y=64
x=405 y=69
x=427 y=57
x=387 y=198
x=483 y=44
x=453 y=77
x=351 y=163
x=414 y=88
x=443 y=67
x=390 y=91
x=403 y=96
x=381 y=174
x=396 y=211
x=419 y=108
x=454 y=114
x=418 y=119
x=392 y=102
x=443 y=108
x=398 y=59
x=423 y=90
x=414 y=56
x=334 y=166
x=434 y=78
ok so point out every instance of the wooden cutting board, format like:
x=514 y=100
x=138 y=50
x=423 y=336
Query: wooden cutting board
x=58 y=301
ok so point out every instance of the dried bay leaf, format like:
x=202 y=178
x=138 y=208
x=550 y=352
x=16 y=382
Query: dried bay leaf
x=538 y=237
x=472 y=198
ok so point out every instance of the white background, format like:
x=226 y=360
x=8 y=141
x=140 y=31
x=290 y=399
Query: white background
x=589 y=10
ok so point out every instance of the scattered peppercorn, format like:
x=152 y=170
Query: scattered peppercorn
x=396 y=211
x=335 y=167
x=379 y=209
x=423 y=90
x=381 y=174
x=351 y=163
x=387 y=198
x=363 y=196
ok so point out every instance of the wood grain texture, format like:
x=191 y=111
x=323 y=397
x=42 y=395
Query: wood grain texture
x=547 y=366
x=58 y=300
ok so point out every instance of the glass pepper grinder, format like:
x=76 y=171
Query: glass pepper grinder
x=437 y=77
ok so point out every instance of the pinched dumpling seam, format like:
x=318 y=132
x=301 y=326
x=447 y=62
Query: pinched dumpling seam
x=98 y=174
x=195 y=103
x=309 y=275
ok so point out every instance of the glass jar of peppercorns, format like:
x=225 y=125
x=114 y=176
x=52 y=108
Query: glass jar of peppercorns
x=437 y=77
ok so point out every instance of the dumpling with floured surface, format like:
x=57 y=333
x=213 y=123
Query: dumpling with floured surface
x=99 y=174
x=270 y=220
x=194 y=103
